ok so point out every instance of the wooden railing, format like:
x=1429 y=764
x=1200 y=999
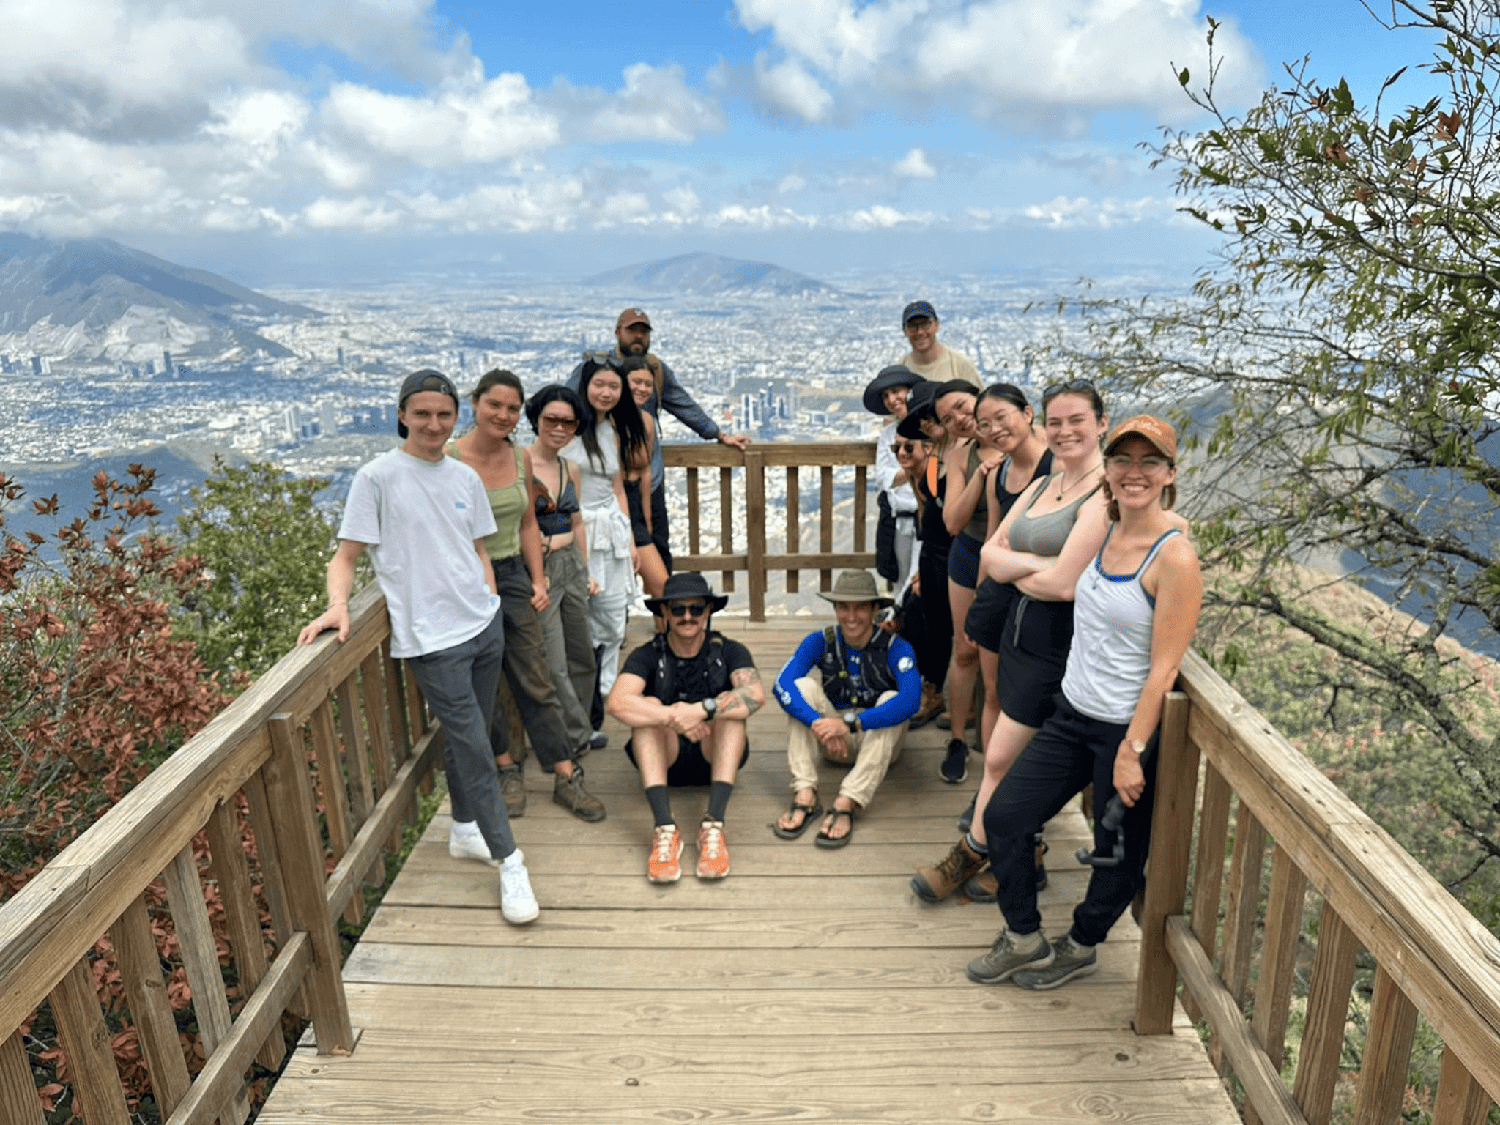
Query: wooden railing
x=332 y=729
x=748 y=553
x=348 y=710
x=1432 y=958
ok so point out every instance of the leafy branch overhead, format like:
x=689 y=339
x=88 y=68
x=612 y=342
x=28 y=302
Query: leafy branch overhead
x=1336 y=364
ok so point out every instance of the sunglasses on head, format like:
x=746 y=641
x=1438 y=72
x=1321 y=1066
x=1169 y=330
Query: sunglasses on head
x=1071 y=387
x=687 y=609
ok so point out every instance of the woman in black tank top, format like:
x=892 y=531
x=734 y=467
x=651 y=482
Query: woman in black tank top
x=1031 y=669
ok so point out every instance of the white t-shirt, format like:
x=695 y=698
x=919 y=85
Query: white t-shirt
x=419 y=520
x=948 y=366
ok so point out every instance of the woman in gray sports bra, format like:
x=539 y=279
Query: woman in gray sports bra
x=1046 y=540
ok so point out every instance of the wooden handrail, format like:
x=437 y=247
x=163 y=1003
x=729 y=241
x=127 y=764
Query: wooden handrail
x=1433 y=958
x=256 y=750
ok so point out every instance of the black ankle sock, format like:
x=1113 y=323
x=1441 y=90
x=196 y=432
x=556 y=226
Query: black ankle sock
x=718 y=799
x=661 y=804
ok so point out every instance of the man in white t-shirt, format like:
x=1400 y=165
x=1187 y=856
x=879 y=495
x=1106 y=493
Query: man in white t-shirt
x=423 y=517
x=928 y=358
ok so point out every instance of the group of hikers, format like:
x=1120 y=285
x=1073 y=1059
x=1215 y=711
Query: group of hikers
x=1033 y=564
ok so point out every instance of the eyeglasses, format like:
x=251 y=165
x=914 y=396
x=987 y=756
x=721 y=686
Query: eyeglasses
x=687 y=609
x=558 y=420
x=1071 y=387
x=1121 y=463
x=919 y=324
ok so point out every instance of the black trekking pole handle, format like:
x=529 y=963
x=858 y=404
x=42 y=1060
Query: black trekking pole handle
x=1114 y=821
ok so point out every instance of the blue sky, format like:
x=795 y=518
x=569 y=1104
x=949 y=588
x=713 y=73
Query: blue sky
x=282 y=140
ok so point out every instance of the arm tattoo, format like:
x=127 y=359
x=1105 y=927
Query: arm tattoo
x=745 y=680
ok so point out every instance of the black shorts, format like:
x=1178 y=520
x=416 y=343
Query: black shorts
x=691 y=767
x=963 y=560
x=986 y=621
x=1033 y=656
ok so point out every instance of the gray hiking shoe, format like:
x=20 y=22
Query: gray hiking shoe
x=1009 y=953
x=1069 y=960
x=513 y=789
x=571 y=795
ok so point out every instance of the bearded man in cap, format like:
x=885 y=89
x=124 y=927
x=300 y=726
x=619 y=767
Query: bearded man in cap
x=632 y=352
x=848 y=691
x=685 y=695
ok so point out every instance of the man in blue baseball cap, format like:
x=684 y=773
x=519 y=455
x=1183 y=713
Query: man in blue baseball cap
x=928 y=358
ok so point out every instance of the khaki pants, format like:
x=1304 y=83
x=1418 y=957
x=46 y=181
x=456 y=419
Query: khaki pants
x=872 y=751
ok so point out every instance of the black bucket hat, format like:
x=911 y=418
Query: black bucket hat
x=920 y=401
x=896 y=375
x=687 y=584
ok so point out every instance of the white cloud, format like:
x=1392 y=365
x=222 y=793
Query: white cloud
x=654 y=104
x=788 y=89
x=791 y=184
x=364 y=215
x=1052 y=63
x=914 y=166
x=466 y=120
x=1098 y=214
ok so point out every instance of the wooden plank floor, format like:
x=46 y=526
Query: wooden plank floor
x=810 y=985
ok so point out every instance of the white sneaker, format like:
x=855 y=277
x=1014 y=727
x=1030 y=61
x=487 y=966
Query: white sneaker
x=469 y=844
x=517 y=903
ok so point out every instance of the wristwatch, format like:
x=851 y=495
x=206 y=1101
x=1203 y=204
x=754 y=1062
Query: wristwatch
x=709 y=705
x=1137 y=745
x=851 y=720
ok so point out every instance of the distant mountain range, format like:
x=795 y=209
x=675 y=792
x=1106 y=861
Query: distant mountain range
x=709 y=273
x=97 y=297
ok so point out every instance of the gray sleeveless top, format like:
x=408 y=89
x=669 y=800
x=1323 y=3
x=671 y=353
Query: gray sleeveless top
x=1045 y=535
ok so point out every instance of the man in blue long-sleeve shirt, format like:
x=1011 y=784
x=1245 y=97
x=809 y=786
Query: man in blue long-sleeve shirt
x=632 y=351
x=849 y=690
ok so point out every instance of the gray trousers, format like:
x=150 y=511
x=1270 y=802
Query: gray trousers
x=526 y=673
x=570 y=651
x=459 y=686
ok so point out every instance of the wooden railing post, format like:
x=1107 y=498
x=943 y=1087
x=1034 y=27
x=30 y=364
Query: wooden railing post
x=1327 y=1011
x=1166 y=884
x=1460 y=1099
x=755 y=531
x=80 y=1026
x=289 y=787
x=19 y=1102
x=1387 y=1056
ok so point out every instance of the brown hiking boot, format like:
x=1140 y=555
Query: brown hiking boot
x=930 y=708
x=513 y=789
x=933 y=884
x=571 y=795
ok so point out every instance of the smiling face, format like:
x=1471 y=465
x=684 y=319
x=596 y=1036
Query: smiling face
x=642 y=386
x=686 y=627
x=1073 y=429
x=921 y=333
x=1137 y=473
x=894 y=400
x=634 y=339
x=556 y=425
x=909 y=453
x=856 y=622
x=497 y=411
x=1001 y=425
x=955 y=411
x=604 y=390
x=429 y=418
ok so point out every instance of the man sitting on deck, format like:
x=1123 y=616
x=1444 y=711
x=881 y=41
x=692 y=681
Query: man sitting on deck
x=856 y=710
x=685 y=695
x=423 y=516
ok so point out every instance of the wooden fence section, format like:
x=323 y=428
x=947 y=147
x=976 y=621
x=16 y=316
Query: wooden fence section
x=1432 y=957
x=755 y=465
x=332 y=729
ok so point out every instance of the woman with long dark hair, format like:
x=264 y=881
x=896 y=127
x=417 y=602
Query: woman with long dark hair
x=611 y=435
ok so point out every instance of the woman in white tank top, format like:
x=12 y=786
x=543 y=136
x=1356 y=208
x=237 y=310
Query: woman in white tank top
x=1136 y=608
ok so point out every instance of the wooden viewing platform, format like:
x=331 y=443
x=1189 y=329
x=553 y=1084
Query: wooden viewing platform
x=809 y=985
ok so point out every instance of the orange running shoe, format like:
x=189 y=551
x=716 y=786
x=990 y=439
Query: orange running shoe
x=662 y=864
x=713 y=850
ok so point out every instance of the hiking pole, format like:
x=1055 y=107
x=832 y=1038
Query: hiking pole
x=1113 y=821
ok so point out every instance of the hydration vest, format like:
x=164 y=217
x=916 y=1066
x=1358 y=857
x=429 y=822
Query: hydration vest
x=718 y=672
x=875 y=675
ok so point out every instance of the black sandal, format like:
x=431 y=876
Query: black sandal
x=824 y=840
x=809 y=812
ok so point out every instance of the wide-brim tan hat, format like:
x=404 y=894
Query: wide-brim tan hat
x=856 y=586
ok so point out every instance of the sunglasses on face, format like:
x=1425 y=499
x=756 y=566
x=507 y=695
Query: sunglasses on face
x=907 y=447
x=687 y=609
x=558 y=420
